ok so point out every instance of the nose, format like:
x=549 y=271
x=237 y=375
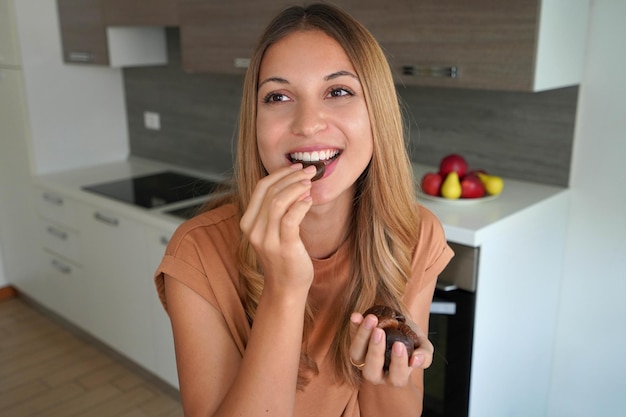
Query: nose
x=308 y=118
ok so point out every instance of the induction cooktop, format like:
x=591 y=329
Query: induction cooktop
x=154 y=190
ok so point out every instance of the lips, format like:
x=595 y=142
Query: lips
x=319 y=158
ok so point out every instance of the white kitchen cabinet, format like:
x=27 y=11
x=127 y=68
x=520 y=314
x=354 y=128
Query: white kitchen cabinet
x=114 y=253
x=165 y=366
x=519 y=281
x=66 y=289
x=95 y=268
x=59 y=239
x=59 y=283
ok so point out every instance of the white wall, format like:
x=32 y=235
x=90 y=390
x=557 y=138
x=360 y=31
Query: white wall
x=589 y=373
x=3 y=279
x=76 y=116
x=77 y=112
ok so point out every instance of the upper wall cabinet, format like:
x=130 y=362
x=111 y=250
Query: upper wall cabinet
x=527 y=45
x=114 y=32
x=140 y=12
x=218 y=36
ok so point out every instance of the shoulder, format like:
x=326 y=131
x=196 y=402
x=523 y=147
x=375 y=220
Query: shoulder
x=432 y=250
x=211 y=228
x=430 y=227
x=201 y=254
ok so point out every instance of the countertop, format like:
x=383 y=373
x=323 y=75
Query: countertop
x=471 y=224
x=467 y=224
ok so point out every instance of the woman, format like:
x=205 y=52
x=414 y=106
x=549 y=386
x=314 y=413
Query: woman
x=266 y=289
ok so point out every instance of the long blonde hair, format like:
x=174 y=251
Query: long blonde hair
x=385 y=218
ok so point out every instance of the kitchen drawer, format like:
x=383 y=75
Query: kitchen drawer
x=60 y=240
x=56 y=207
x=66 y=290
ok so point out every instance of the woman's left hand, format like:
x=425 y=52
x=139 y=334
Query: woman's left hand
x=367 y=350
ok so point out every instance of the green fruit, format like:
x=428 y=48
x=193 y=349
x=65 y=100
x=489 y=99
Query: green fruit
x=451 y=187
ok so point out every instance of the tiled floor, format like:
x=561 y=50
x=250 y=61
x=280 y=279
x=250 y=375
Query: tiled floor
x=47 y=370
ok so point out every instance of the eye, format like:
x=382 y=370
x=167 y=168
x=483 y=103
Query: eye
x=275 y=98
x=340 y=92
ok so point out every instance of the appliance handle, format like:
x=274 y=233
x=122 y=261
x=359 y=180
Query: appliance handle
x=446 y=286
x=441 y=307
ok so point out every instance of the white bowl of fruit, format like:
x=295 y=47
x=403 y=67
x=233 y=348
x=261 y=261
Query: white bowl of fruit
x=456 y=183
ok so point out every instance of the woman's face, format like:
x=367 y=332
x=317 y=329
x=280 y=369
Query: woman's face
x=311 y=106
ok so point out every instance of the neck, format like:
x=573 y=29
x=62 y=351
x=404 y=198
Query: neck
x=326 y=227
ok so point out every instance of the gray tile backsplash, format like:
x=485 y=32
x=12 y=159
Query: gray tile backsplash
x=526 y=136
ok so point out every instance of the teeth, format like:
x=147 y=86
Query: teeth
x=313 y=156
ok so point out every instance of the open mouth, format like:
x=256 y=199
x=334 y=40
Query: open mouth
x=324 y=156
x=317 y=158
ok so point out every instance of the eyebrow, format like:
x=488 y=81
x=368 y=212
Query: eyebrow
x=329 y=77
x=340 y=74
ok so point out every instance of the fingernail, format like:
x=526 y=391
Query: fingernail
x=295 y=166
x=310 y=169
x=418 y=360
x=379 y=335
x=398 y=349
x=370 y=322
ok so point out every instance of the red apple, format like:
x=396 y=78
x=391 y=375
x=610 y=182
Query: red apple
x=453 y=162
x=475 y=172
x=431 y=183
x=472 y=187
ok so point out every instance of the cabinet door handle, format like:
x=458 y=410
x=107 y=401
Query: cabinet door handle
x=52 y=199
x=79 y=56
x=111 y=221
x=61 y=267
x=57 y=233
x=417 y=71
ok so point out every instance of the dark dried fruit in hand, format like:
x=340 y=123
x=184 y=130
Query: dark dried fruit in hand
x=320 y=167
x=396 y=330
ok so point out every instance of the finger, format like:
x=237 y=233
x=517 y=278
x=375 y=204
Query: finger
x=355 y=320
x=361 y=337
x=284 y=208
x=375 y=357
x=422 y=357
x=264 y=185
x=271 y=198
x=399 y=370
x=290 y=223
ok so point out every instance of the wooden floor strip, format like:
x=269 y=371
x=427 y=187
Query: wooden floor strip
x=47 y=370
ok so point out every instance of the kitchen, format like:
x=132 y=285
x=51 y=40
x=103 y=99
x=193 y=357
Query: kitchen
x=84 y=118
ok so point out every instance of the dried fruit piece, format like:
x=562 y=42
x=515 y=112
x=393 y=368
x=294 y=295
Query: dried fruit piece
x=396 y=330
x=320 y=168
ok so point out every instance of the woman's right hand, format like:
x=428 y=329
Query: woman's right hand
x=272 y=225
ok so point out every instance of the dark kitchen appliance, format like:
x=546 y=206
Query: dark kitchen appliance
x=451 y=328
x=155 y=190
